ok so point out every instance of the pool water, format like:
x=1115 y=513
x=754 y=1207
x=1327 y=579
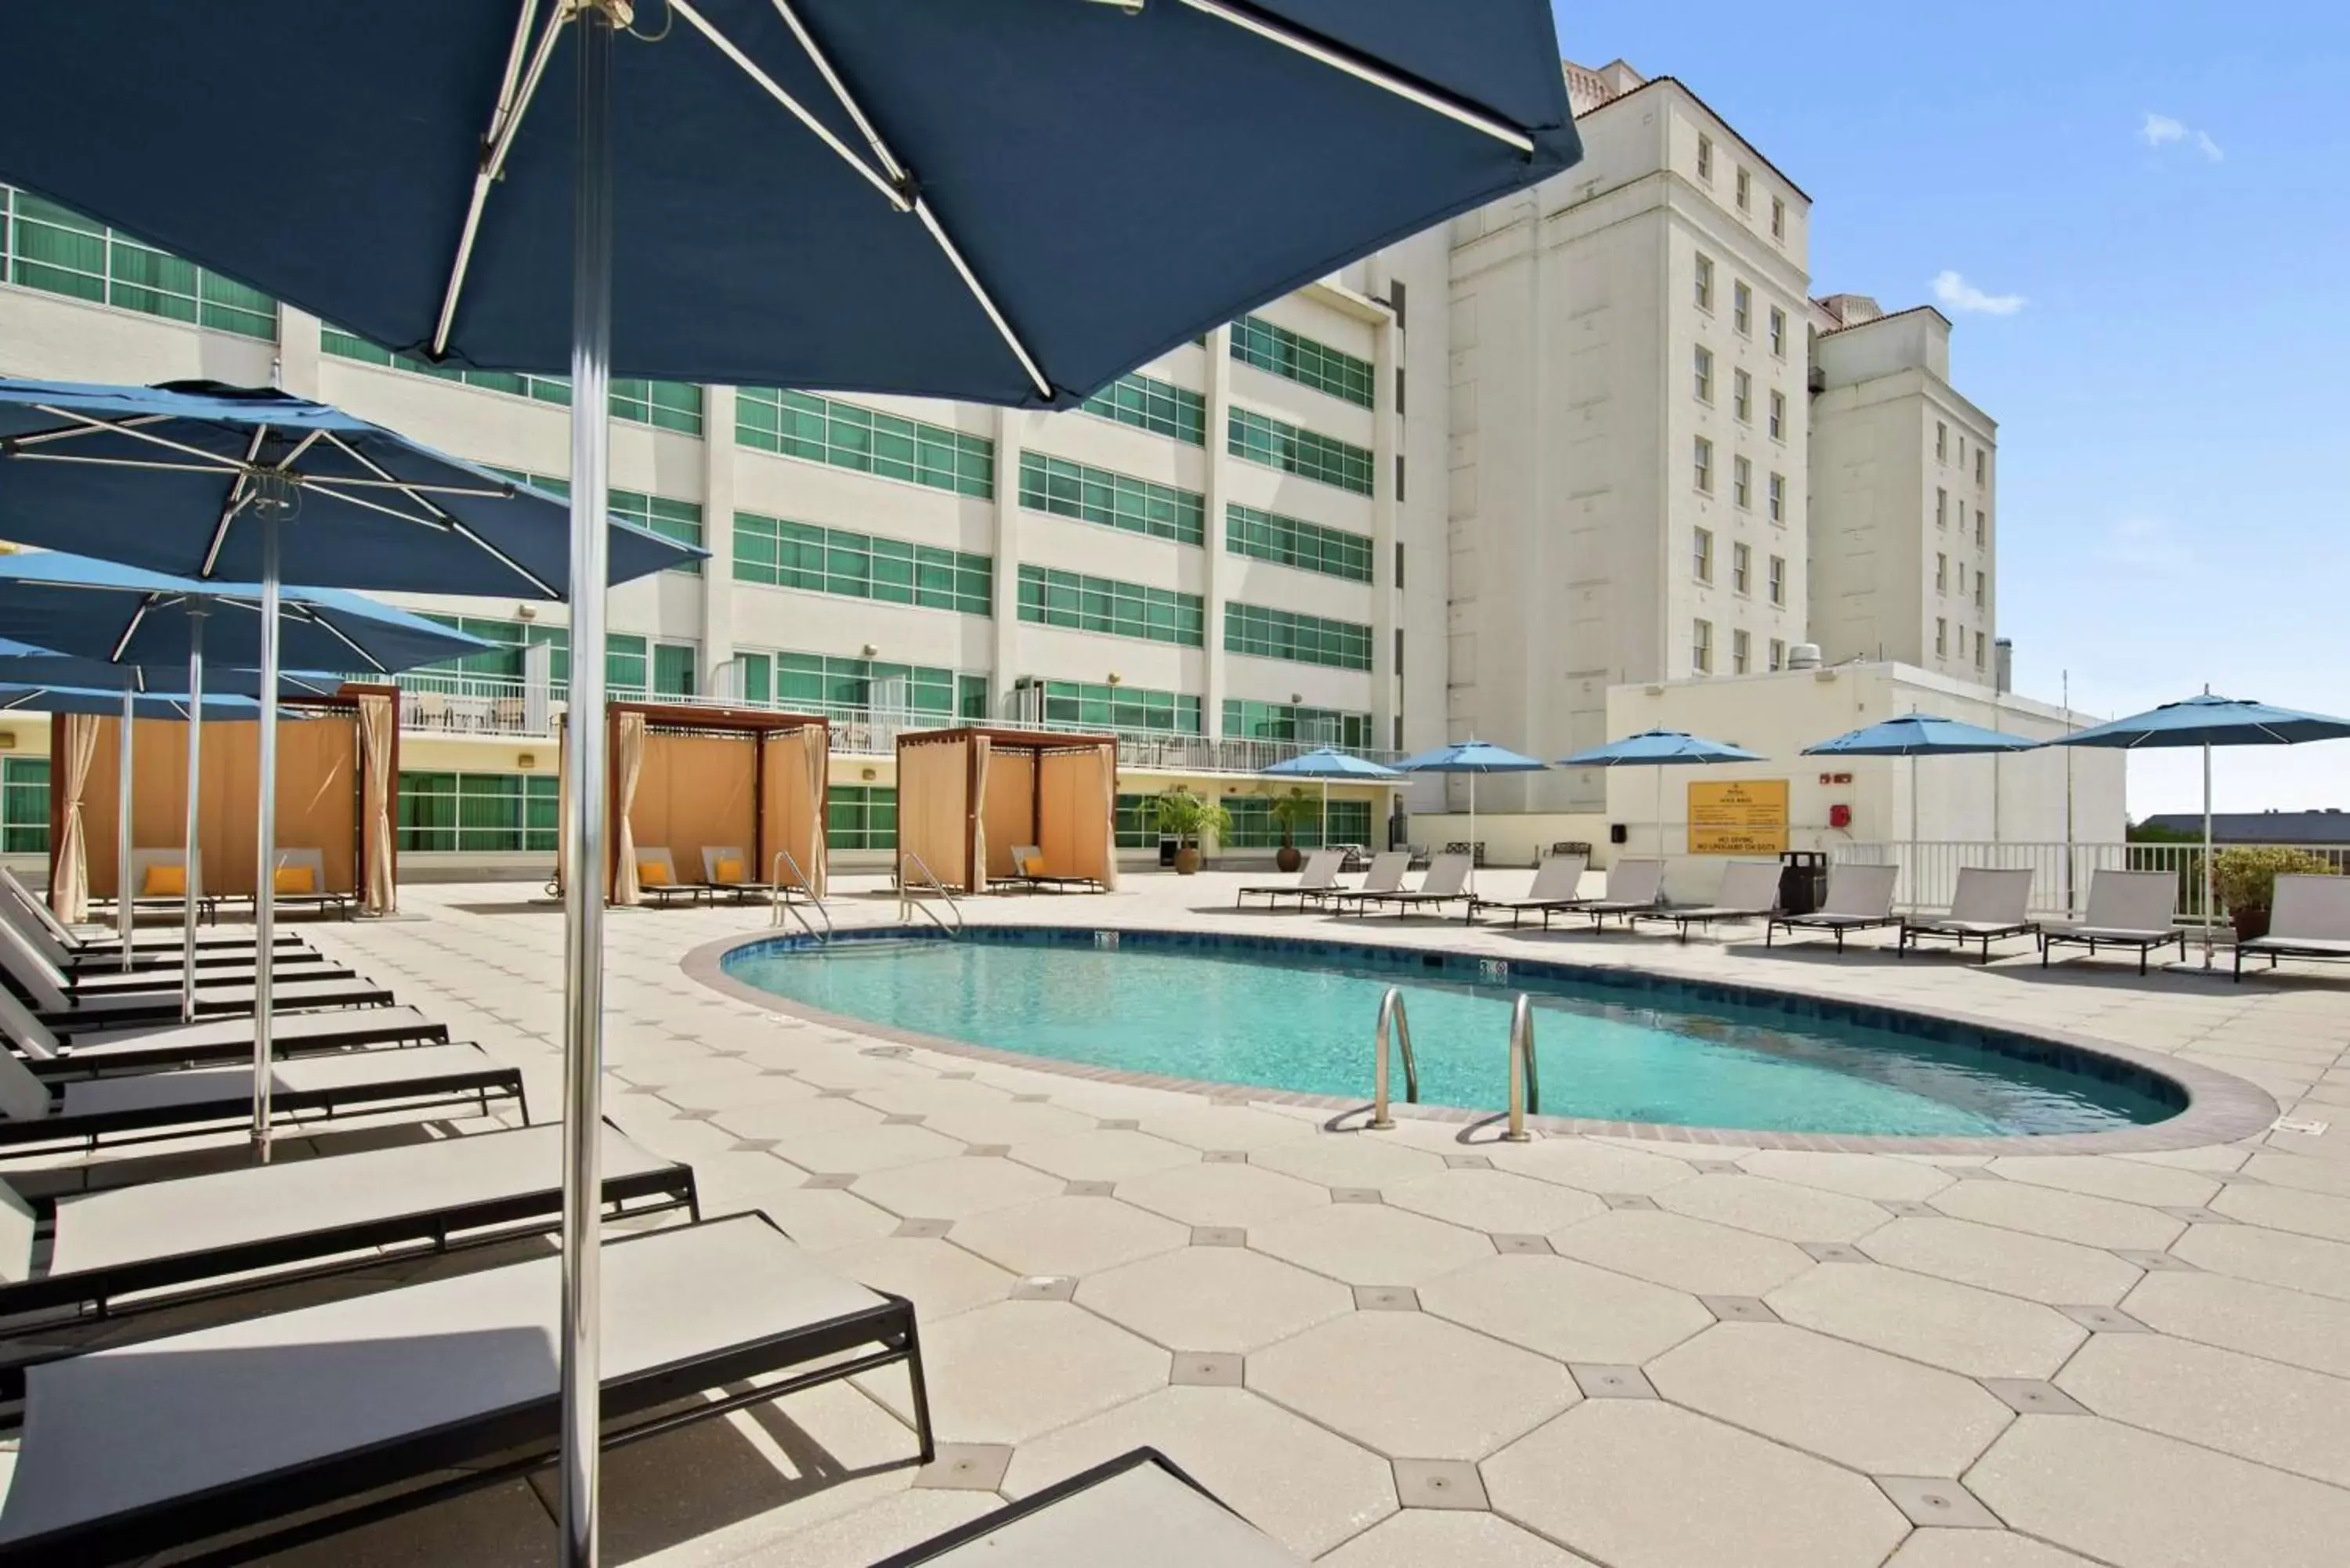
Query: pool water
x=1611 y=1047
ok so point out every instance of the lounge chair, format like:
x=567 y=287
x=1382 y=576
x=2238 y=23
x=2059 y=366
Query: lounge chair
x=1028 y=871
x=145 y=1047
x=269 y=1426
x=150 y=970
x=42 y=1116
x=300 y=883
x=656 y=878
x=1634 y=887
x=1859 y=899
x=34 y=972
x=1556 y=887
x=26 y=909
x=1989 y=905
x=1749 y=892
x=1446 y=882
x=160 y=1244
x=1319 y=875
x=726 y=869
x=2309 y=917
x=159 y=883
x=2134 y=910
x=1137 y=1510
x=1386 y=876
x=69 y=1009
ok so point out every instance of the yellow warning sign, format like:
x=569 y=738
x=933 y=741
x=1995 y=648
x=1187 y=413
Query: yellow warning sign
x=1746 y=817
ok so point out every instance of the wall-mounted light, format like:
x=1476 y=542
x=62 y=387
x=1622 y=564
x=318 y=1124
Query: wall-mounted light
x=869 y=775
x=525 y=612
x=7 y=740
x=1295 y=698
x=526 y=760
x=869 y=650
x=1115 y=679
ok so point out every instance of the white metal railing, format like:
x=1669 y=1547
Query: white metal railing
x=2061 y=873
x=915 y=878
x=786 y=898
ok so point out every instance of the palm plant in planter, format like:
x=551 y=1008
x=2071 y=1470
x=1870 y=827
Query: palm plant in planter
x=1289 y=813
x=1185 y=816
x=2247 y=879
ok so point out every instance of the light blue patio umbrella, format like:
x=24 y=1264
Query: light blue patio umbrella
x=1915 y=735
x=1327 y=763
x=1472 y=757
x=1661 y=749
x=218 y=707
x=2207 y=721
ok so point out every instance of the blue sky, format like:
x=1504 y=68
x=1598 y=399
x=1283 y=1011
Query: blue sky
x=2144 y=204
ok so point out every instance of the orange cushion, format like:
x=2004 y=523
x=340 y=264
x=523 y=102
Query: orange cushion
x=164 y=882
x=652 y=874
x=295 y=879
x=730 y=871
x=1032 y=865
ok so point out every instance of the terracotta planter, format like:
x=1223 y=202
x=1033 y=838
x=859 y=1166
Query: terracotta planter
x=2251 y=924
x=1187 y=860
x=1287 y=859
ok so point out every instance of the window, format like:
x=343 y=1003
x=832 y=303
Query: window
x=1704 y=383
x=1742 y=651
x=1136 y=827
x=678 y=520
x=1300 y=639
x=665 y=405
x=1778 y=654
x=1244 y=720
x=1778 y=219
x=478 y=814
x=801 y=682
x=1350 y=822
x=1701 y=647
x=1705 y=159
x=844 y=435
x=1941 y=442
x=1941 y=574
x=24 y=805
x=1741 y=306
x=1704 y=465
x=1308 y=547
x=1942 y=509
x=1701 y=555
x=674 y=668
x=1741 y=483
x=1979 y=590
x=1777 y=498
x=1276 y=444
x=1742 y=397
x=1704 y=282
x=1979 y=465
x=503 y=662
x=1111 y=607
x=1160 y=407
x=787 y=555
x=1979 y=650
x=1069 y=489
x=1979 y=526
x=860 y=816
x=1778 y=425
x=58 y=251
x=1962 y=578
x=1258 y=342
x=1741 y=568
x=1778 y=332
x=1942 y=637
x=1777 y=581
x=1745 y=188
x=1098 y=706
x=626 y=668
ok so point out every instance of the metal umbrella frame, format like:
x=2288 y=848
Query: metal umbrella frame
x=1661 y=749
x=1915 y=735
x=1327 y=763
x=1472 y=757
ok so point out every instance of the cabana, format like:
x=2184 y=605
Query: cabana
x=967 y=796
x=688 y=778
x=338 y=797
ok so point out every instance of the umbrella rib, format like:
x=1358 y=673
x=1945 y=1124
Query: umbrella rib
x=439 y=518
x=304 y=613
x=137 y=433
x=438 y=523
x=442 y=519
x=1387 y=81
x=799 y=111
x=123 y=643
x=896 y=171
x=987 y=301
x=229 y=509
x=503 y=122
x=41 y=438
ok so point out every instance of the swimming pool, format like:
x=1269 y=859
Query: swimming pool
x=1612 y=1045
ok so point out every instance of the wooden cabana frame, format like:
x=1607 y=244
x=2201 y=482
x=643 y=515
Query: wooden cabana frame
x=966 y=796
x=323 y=789
x=686 y=777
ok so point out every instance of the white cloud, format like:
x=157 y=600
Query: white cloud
x=2147 y=547
x=2160 y=130
x=1957 y=294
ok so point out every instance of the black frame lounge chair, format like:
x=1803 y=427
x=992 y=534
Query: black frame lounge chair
x=2134 y=911
x=1635 y=887
x=15 y=897
x=1385 y=876
x=1026 y=854
x=229 y=1440
x=1859 y=899
x=1137 y=1511
x=1749 y=892
x=81 y=959
x=35 y=971
x=1988 y=905
x=2309 y=917
x=1446 y=882
x=692 y=892
x=146 y=1047
x=118 y=1010
x=1319 y=875
x=165 y=1243
x=741 y=890
x=319 y=896
x=1554 y=887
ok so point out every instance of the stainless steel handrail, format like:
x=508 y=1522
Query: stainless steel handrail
x=1392 y=1021
x=1526 y=1077
x=781 y=902
x=906 y=901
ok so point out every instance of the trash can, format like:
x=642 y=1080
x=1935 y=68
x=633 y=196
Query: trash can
x=1802 y=880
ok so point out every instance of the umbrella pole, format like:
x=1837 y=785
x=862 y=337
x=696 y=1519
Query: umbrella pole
x=1661 y=811
x=1472 y=836
x=583 y=957
x=2210 y=881
x=265 y=885
x=122 y=910
x=191 y=866
x=1909 y=858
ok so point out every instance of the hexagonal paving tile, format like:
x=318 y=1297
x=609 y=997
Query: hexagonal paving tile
x=1855 y=1175
x=1070 y=1236
x=1304 y=1487
x=2241 y=1314
x=1220 y=1194
x=807 y=1116
x=2279 y=1415
x=735 y=1093
x=2101 y=1176
x=1010 y=1372
x=1010 y=1122
x=940 y=1278
x=1214 y=1298
x=1224 y=1126
x=1494 y=1200
x=1640 y=1483
x=1566 y=1310
x=955 y=1188
x=2272 y=1257
x=1420 y=1538
x=860 y=1149
x=2121 y=1495
x=1770 y=1208
x=1348 y=1160
x=2066 y=1216
x=2010 y=1262
x=2287 y=1209
x=1693 y=1255
x=1979 y=1549
x=1968 y=1331
x=1589 y=1165
x=2286 y=1169
x=1444 y=1392
x=1860 y=1408
x=1099 y=1155
x=1370 y=1244
x=928 y=1096
x=820 y=1218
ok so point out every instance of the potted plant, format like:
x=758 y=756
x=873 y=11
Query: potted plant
x=2247 y=879
x=1289 y=813
x=1185 y=816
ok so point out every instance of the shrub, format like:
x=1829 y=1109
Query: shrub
x=2248 y=877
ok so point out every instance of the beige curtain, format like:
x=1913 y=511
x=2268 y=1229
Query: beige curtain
x=69 y=888
x=933 y=809
x=815 y=745
x=1105 y=759
x=977 y=805
x=630 y=762
x=380 y=894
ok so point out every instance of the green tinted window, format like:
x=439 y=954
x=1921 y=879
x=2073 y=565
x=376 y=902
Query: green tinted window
x=1260 y=438
x=787 y=555
x=845 y=435
x=56 y=250
x=860 y=816
x=1300 y=639
x=477 y=814
x=1104 y=605
x=1293 y=541
x=1259 y=342
x=1248 y=721
x=1114 y=500
x=1100 y=706
x=1254 y=827
x=24 y=805
x=1160 y=407
x=665 y=405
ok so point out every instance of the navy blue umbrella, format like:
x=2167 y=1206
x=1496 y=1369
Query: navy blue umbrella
x=20 y=698
x=1661 y=749
x=22 y=664
x=1012 y=202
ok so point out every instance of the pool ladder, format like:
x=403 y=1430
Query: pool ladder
x=908 y=888
x=1525 y=1077
x=779 y=896
x=1393 y=1025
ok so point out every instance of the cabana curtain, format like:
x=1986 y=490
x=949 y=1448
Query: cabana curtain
x=69 y=891
x=978 y=806
x=378 y=890
x=815 y=747
x=968 y=798
x=629 y=761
